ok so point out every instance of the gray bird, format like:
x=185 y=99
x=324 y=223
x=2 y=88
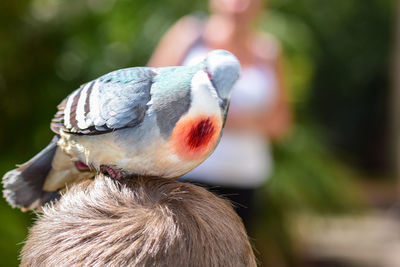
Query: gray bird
x=131 y=122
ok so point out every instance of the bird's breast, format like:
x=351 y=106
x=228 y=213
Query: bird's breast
x=194 y=137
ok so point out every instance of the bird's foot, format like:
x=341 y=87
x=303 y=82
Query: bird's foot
x=81 y=166
x=114 y=173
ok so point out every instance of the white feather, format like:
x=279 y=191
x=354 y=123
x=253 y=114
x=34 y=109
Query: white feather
x=67 y=110
x=94 y=114
x=204 y=97
x=80 y=110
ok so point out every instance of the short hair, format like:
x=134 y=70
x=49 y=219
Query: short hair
x=140 y=222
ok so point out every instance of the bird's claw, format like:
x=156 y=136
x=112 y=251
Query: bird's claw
x=113 y=173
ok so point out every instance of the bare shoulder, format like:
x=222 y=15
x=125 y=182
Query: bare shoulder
x=267 y=47
x=174 y=44
x=189 y=23
x=185 y=30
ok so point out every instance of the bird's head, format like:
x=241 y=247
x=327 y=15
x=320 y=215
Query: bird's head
x=223 y=70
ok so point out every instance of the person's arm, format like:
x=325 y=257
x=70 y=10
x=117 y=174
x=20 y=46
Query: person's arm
x=279 y=118
x=175 y=43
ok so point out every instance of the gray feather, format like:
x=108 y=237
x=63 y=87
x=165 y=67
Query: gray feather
x=171 y=96
x=168 y=115
x=122 y=99
x=23 y=186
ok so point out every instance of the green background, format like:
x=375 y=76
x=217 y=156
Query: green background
x=337 y=62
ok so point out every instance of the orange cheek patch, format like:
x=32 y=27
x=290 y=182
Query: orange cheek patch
x=192 y=138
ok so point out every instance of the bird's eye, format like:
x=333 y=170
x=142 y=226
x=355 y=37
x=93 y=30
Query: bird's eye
x=210 y=77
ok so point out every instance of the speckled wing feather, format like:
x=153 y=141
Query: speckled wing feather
x=116 y=100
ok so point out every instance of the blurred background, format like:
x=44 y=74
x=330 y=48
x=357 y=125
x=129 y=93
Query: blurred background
x=333 y=197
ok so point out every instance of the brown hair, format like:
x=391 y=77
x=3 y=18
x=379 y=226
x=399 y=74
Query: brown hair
x=142 y=222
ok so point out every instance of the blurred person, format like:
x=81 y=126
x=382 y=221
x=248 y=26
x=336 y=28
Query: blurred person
x=259 y=110
x=140 y=222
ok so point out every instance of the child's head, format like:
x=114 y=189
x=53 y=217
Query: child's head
x=143 y=222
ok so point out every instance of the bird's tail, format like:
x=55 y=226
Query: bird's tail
x=23 y=186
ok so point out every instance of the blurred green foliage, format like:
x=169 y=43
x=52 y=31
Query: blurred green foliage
x=337 y=63
x=347 y=44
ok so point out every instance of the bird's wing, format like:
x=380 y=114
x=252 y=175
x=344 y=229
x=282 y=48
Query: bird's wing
x=114 y=101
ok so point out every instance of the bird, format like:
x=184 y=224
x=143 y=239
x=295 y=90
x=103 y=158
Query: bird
x=139 y=121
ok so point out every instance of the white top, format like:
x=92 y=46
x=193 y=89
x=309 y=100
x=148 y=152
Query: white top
x=241 y=159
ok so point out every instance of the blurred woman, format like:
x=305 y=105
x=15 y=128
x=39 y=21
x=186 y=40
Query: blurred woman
x=259 y=110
